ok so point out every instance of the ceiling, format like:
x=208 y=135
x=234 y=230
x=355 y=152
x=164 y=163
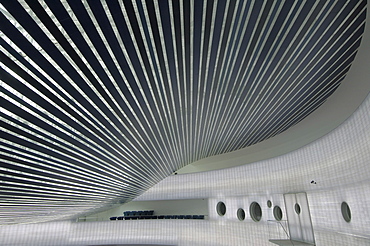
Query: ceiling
x=102 y=100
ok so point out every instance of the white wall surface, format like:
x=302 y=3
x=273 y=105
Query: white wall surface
x=338 y=162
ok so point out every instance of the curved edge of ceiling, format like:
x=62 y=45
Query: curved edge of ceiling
x=339 y=106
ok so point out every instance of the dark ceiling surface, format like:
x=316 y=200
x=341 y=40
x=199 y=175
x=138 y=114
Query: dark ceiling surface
x=100 y=100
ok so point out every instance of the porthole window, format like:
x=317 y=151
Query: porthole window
x=241 y=214
x=221 y=208
x=346 y=212
x=297 y=208
x=278 y=214
x=255 y=211
x=269 y=204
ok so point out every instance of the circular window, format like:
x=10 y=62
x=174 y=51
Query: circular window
x=269 y=203
x=278 y=214
x=241 y=214
x=346 y=212
x=255 y=211
x=297 y=208
x=221 y=208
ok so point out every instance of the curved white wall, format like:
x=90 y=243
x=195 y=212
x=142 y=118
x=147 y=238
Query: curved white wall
x=338 y=162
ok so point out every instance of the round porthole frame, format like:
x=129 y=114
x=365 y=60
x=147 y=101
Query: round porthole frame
x=297 y=208
x=278 y=213
x=255 y=211
x=221 y=208
x=269 y=204
x=240 y=214
x=346 y=212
